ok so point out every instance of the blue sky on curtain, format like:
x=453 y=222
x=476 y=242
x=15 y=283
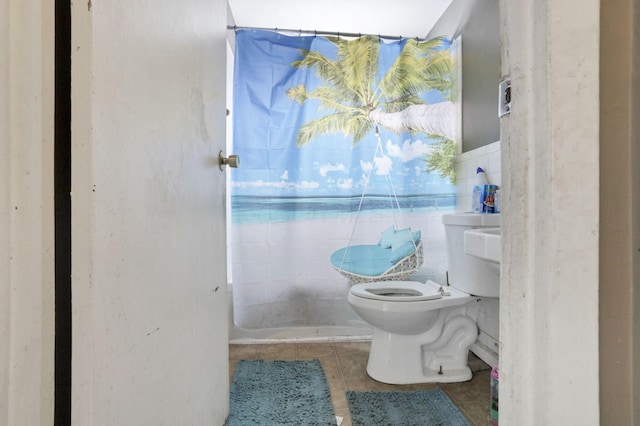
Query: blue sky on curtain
x=306 y=136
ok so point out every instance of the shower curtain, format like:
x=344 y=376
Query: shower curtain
x=338 y=139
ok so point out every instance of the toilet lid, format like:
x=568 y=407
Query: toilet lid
x=405 y=291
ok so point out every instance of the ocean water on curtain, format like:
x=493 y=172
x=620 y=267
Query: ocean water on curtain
x=247 y=209
x=338 y=139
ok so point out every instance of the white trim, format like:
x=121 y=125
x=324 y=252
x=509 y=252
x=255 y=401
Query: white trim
x=27 y=315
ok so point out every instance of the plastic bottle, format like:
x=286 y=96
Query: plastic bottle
x=481 y=177
x=496 y=205
x=494 y=405
x=476 y=197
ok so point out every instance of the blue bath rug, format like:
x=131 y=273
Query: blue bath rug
x=275 y=393
x=412 y=408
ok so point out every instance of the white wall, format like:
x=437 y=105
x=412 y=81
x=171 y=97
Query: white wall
x=149 y=279
x=549 y=272
x=26 y=213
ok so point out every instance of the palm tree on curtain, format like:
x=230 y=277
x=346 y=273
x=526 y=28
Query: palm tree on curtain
x=357 y=100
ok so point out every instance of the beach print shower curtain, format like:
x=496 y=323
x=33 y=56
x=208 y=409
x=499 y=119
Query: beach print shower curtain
x=316 y=120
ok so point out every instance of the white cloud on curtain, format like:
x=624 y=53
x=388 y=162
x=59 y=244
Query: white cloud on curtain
x=307 y=144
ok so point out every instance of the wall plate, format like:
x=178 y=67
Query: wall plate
x=504 y=97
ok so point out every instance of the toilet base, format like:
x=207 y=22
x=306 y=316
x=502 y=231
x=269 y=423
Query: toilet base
x=428 y=376
x=406 y=359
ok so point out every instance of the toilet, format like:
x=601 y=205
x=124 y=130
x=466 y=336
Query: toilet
x=422 y=332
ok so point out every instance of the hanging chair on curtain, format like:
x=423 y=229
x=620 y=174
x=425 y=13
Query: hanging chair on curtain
x=396 y=256
x=377 y=262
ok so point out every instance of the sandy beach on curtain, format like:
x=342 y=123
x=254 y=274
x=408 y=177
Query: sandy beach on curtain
x=283 y=269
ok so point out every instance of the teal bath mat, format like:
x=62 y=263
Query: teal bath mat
x=274 y=393
x=414 y=408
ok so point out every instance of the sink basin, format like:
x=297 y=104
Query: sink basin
x=483 y=243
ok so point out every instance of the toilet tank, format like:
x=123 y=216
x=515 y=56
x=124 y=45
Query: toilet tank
x=468 y=273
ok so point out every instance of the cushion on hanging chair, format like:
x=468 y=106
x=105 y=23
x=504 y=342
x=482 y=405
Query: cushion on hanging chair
x=374 y=260
x=370 y=260
x=401 y=251
x=401 y=237
x=402 y=245
x=386 y=237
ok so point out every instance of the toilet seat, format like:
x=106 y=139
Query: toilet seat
x=396 y=291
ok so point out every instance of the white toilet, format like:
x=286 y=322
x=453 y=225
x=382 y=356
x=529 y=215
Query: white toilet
x=422 y=332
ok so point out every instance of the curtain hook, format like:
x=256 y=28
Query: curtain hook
x=300 y=32
x=315 y=33
x=379 y=38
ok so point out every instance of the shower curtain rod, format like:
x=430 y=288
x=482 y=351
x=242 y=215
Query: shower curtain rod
x=325 y=33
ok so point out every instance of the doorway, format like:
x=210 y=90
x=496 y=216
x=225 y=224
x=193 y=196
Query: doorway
x=62 y=200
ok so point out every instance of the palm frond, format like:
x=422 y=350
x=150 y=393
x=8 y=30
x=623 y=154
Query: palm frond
x=402 y=102
x=358 y=60
x=352 y=90
x=354 y=125
x=333 y=99
x=442 y=158
x=418 y=68
x=298 y=93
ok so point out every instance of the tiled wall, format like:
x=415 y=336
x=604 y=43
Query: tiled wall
x=487 y=157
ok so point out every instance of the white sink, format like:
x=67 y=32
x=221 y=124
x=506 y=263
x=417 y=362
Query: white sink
x=483 y=243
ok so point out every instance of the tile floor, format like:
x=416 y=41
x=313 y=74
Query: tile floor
x=345 y=364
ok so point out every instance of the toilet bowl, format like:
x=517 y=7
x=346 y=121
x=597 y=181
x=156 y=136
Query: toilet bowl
x=422 y=332
x=419 y=334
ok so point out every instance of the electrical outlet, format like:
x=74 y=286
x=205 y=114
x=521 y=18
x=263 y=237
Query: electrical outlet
x=504 y=97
